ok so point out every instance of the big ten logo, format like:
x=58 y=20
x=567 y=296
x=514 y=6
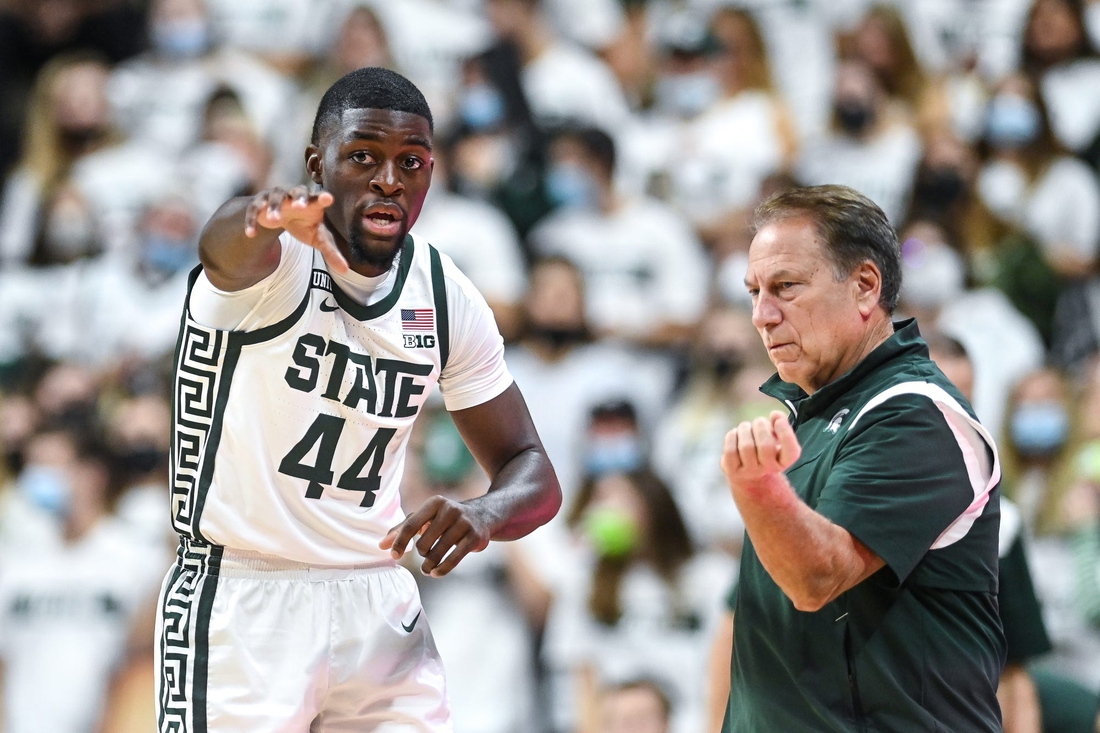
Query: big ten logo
x=386 y=386
x=419 y=341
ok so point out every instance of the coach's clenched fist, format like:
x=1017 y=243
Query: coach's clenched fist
x=758 y=448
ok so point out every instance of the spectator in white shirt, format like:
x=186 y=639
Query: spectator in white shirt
x=77 y=598
x=497 y=145
x=43 y=218
x=359 y=39
x=481 y=241
x=882 y=41
x=1028 y=180
x=159 y=96
x=871 y=146
x=565 y=372
x=674 y=86
x=284 y=33
x=563 y=81
x=645 y=272
x=1058 y=54
x=746 y=135
x=642 y=600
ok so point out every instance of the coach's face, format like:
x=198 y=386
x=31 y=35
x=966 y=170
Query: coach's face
x=377 y=164
x=814 y=326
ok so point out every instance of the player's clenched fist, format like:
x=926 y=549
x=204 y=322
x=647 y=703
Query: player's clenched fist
x=299 y=212
x=755 y=449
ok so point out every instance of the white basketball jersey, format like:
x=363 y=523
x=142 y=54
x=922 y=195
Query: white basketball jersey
x=290 y=439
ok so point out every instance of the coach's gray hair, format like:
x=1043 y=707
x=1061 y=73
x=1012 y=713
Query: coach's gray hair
x=851 y=226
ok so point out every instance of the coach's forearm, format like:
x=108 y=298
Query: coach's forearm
x=523 y=496
x=232 y=259
x=811 y=559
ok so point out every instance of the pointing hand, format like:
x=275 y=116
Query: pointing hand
x=299 y=212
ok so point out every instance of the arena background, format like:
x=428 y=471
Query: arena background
x=597 y=163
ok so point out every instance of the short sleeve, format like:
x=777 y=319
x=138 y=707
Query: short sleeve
x=268 y=301
x=898 y=481
x=475 y=372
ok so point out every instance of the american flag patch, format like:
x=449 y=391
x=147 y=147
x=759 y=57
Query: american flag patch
x=417 y=319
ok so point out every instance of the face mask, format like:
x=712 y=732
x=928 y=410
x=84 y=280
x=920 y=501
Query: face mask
x=612 y=532
x=1039 y=429
x=1012 y=121
x=854 y=116
x=686 y=95
x=14 y=460
x=613 y=454
x=559 y=337
x=76 y=139
x=181 y=39
x=570 y=186
x=47 y=488
x=168 y=255
x=482 y=107
x=723 y=365
x=142 y=459
x=939 y=188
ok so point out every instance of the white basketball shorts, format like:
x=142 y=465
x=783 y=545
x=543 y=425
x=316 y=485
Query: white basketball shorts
x=254 y=643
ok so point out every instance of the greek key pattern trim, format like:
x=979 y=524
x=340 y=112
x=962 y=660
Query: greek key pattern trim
x=197 y=381
x=185 y=618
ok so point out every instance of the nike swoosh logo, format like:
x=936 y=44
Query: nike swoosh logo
x=410 y=627
x=327 y=308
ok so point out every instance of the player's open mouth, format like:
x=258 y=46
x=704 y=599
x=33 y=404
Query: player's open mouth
x=383 y=221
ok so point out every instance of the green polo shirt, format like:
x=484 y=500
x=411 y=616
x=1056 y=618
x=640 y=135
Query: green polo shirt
x=918 y=646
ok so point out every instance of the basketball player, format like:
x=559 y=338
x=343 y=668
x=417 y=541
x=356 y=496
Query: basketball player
x=314 y=331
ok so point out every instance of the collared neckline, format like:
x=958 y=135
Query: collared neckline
x=905 y=340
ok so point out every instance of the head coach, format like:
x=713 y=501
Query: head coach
x=867 y=598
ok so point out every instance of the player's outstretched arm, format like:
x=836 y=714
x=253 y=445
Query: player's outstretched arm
x=239 y=246
x=523 y=491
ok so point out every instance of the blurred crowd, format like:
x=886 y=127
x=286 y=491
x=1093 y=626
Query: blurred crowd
x=596 y=166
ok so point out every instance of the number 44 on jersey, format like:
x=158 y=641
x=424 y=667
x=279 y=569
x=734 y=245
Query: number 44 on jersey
x=381 y=387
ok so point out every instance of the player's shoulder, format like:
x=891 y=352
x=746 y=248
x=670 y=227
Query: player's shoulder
x=457 y=283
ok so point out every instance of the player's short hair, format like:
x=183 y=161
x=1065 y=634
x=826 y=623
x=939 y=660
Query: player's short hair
x=851 y=226
x=371 y=87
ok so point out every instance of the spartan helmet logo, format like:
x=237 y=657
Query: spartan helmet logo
x=834 y=424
